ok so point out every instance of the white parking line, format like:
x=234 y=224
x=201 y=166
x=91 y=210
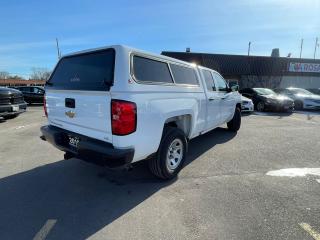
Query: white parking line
x=23 y=126
x=19 y=127
x=310 y=231
x=44 y=231
x=294 y=172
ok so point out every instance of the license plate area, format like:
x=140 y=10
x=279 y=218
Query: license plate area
x=73 y=141
x=15 y=108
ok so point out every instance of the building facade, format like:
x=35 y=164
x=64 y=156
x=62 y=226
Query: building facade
x=21 y=82
x=258 y=71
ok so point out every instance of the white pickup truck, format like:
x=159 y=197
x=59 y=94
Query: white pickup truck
x=118 y=105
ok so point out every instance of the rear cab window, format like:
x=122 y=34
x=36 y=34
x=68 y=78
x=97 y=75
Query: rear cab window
x=209 y=80
x=88 y=71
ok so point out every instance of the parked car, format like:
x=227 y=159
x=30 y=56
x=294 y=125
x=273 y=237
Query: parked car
x=303 y=99
x=118 y=105
x=314 y=90
x=32 y=94
x=266 y=99
x=11 y=103
x=246 y=104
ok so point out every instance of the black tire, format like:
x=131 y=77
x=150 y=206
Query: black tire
x=68 y=155
x=260 y=106
x=158 y=164
x=235 y=123
x=10 y=116
x=298 y=105
x=290 y=110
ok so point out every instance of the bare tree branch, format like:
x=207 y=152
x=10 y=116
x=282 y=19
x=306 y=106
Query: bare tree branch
x=40 y=73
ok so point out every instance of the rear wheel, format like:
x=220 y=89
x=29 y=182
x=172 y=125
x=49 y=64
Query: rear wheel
x=298 y=105
x=235 y=123
x=171 y=154
x=260 y=106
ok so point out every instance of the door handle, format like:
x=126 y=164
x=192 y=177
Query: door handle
x=211 y=99
x=225 y=96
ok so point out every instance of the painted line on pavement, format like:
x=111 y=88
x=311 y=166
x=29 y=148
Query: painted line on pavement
x=310 y=231
x=44 y=231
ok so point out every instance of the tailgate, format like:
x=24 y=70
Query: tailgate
x=83 y=112
x=78 y=93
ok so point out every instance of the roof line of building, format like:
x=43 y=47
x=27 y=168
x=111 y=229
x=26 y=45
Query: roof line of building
x=242 y=56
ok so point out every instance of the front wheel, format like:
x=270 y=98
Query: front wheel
x=260 y=106
x=171 y=154
x=235 y=123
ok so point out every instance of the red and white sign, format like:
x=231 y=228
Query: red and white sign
x=304 y=67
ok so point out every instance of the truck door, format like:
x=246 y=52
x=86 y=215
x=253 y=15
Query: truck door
x=226 y=98
x=213 y=99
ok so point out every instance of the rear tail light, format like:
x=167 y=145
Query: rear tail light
x=123 y=117
x=45 y=105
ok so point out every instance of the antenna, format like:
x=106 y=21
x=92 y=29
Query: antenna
x=58 y=49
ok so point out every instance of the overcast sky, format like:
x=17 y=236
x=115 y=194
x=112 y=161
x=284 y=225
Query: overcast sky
x=29 y=28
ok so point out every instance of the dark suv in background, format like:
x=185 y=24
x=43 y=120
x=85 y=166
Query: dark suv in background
x=11 y=103
x=32 y=94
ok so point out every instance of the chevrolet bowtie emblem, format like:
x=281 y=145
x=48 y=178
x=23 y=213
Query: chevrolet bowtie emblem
x=70 y=114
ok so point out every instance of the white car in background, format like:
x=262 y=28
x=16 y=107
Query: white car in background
x=246 y=104
x=303 y=99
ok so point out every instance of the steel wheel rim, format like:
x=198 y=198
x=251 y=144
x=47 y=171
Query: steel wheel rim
x=260 y=106
x=174 y=154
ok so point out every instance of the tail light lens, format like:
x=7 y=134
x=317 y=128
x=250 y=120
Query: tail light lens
x=123 y=117
x=45 y=105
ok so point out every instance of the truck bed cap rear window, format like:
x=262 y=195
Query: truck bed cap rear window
x=90 y=71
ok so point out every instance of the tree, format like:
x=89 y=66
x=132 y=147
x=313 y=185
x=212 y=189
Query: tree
x=4 y=75
x=40 y=74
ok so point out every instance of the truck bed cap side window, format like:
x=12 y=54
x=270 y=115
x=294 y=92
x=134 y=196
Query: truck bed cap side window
x=149 y=70
x=184 y=75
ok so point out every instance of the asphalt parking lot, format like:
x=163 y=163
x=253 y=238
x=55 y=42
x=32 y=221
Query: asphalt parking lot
x=223 y=192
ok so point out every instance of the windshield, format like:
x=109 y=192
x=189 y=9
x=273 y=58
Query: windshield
x=264 y=91
x=90 y=71
x=299 y=91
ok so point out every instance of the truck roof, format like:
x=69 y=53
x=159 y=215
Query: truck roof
x=128 y=50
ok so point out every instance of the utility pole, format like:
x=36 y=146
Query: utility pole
x=301 y=47
x=249 y=48
x=58 y=49
x=315 y=48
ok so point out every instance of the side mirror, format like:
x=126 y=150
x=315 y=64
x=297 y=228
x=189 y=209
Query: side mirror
x=235 y=88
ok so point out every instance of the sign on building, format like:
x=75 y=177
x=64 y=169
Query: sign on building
x=304 y=67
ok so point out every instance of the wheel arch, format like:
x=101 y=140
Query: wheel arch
x=182 y=122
